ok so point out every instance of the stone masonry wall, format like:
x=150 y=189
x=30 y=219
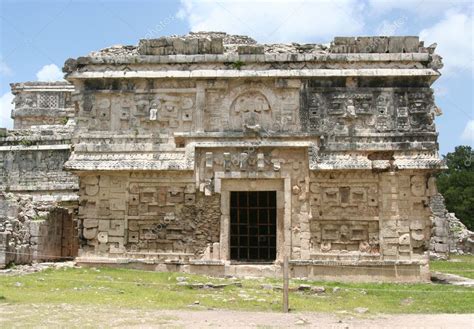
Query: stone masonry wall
x=138 y=214
x=439 y=244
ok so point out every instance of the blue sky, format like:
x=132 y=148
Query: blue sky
x=36 y=37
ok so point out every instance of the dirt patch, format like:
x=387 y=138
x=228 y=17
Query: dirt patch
x=85 y=316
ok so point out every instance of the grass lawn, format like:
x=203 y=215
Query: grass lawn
x=459 y=265
x=154 y=290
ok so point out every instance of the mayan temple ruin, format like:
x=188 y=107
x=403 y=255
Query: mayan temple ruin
x=210 y=153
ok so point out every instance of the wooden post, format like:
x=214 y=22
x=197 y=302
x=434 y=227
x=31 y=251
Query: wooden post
x=285 y=284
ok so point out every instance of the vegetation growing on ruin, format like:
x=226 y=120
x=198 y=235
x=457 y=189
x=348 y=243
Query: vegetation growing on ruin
x=152 y=290
x=39 y=218
x=26 y=142
x=456 y=184
x=237 y=65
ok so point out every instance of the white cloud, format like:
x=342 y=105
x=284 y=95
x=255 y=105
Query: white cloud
x=50 y=72
x=5 y=70
x=423 y=8
x=468 y=133
x=6 y=107
x=441 y=90
x=276 y=21
x=454 y=37
x=391 y=27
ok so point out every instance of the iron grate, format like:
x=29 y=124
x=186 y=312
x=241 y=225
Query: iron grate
x=253 y=226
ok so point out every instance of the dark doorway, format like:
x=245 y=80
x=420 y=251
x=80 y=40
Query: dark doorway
x=253 y=226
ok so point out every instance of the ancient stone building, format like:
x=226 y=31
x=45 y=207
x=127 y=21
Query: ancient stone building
x=38 y=198
x=211 y=153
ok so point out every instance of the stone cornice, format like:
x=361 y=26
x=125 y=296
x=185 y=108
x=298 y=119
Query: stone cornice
x=263 y=58
x=277 y=73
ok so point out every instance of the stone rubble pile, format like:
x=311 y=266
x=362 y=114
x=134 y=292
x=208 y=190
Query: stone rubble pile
x=449 y=234
x=36 y=267
x=228 y=39
x=461 y=240
x=116 y=50
x=310 y=48
x=207 y=43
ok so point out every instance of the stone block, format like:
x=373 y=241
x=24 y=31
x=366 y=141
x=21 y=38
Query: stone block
x=403 y=44
x=250 y=50
x=133 y=199
x=440 y=222
x=217 y=46
x=102 y=237
x=117 y=228
x=404 y=239
x=133 y=236
x=104 y=224
x=103 y=208
x=117 y=204
x=441 y=247
x=204 y=46
x=104 y=181
x=37 y=228
x=440 y=231
x=133 y=211
x=190 y=188
x=89 y=233
x=189 y=199
x=390 y=250
x=90 y=223
x=418 y=235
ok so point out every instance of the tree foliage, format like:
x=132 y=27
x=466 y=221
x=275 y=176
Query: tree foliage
x=457 y=184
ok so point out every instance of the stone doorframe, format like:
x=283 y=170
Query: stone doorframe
x=225 y=182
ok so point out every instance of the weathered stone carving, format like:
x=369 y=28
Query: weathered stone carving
x=153 y=112
x=370 y=110
x=250 y=110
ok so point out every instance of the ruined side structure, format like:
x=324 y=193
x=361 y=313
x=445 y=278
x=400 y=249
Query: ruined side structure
x=448 y=234
x=41 y=104
x=38 y=198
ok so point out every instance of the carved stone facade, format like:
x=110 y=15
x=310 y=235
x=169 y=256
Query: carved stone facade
x=41 y=103
x=38 y=198
x=176 y=138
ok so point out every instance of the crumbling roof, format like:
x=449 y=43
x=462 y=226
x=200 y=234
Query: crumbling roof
x=221 y=42
x=220 y=47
